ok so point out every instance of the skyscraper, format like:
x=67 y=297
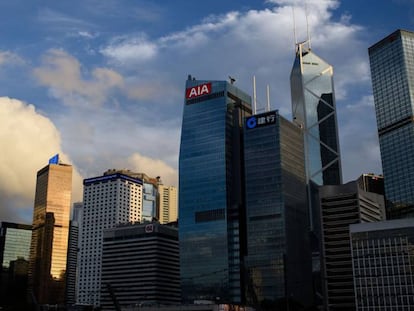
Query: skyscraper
x=14 y=260
x=392 y=73
x=49 y=245
x=108 y=200
x=276 y=268
x=211 y=203
x=73 y=248
x=314 y=109
x=167 y=204
x=341 y=206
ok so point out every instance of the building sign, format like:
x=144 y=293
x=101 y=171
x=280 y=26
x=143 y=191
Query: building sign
x=149 y=228
x=54 y=159
x=198 y=90
x=261 y=120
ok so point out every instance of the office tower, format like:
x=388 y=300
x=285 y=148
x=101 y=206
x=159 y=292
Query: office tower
x=392 y=74
x=167 y=206
x=49 y=245
x=211 y=203
x=277 y=269
x=383 y=264
x=140 y=266
x=341 y=206
x=314 y=109
x=149 y=200
x=108 y=200
x=14 y=258
x=75 y=227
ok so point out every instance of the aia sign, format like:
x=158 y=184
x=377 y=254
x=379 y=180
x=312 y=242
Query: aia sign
x=199 y=90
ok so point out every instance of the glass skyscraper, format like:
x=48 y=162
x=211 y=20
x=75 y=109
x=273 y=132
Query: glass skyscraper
x=49 y=245
x=278 y=265
x=313 y=108
x=211 y=203
x=392 y=73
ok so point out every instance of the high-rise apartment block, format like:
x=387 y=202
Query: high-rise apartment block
x=342 y=206
x=108 y=200
x=276 y=267
x=14 y=262
x=140 y=266
x=211 y=199
x=167 y=204
x=49 y=244
x=392 y=73
x=383 y=265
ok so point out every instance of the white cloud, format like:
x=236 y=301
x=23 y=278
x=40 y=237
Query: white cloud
x=153 y=168
x=130 y=50
x=261 y=43
x=62 y=73
x=27 y=141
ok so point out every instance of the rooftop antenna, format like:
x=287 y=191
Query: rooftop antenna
x=294 y=27
x=268 y=97
x=254 y=95
x=307 y=25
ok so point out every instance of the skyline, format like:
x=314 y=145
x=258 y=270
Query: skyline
x=103 y=83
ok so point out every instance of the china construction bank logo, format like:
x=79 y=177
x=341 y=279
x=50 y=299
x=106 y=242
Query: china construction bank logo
x=261 y=120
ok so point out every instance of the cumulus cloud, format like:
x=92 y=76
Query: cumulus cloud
x=153 y=167
x=27 y=140
x=63 y=74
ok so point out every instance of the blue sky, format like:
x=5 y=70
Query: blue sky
x=102 y=82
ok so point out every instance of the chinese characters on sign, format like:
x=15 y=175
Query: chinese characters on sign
x=261 y=120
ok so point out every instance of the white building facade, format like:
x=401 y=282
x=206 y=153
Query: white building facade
x=112 y=199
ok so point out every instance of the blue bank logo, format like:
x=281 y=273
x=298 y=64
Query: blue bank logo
x=251 y=122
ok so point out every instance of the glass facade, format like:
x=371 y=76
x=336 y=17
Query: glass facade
x=276 y=210
x=314 y=109
x=211 y=195
x=48 y=251
x=14 y=242
x=149 y=207
x=14 y=258
x=392 y=73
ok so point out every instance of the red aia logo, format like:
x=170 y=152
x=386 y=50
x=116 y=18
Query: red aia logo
x=198 y=90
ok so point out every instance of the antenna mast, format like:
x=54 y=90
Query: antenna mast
x=294 y=27
x=268 y=97
x=254 y=95
x=307 y=25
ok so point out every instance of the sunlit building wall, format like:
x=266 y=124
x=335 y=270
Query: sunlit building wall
x=49 y=245
x=168 y=204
